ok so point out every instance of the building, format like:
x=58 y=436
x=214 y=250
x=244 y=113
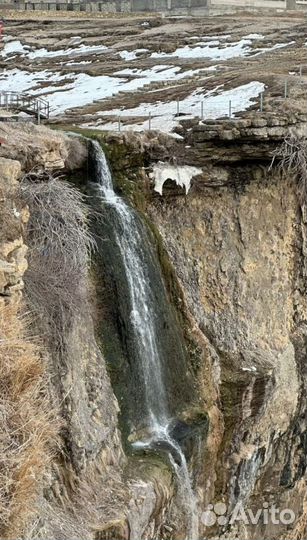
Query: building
x=175 y=7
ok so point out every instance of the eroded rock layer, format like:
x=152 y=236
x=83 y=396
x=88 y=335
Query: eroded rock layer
x=230 y=237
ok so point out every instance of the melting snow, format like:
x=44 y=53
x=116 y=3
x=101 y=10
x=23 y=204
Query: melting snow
x=210 y=38
x=209 y=49
x=79 y=89
x=182 y=175
x=214 y=50
x=163 y=115
x=15 y=79
x=72 y=51
x=131 y=55
x=169 y=73
x=16 y=47
x=76 y=63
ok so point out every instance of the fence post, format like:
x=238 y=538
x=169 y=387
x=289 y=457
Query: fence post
x=261 y=101
x=149 y=120
x=177 y=106
x=202 y=110
x=286 y=89
x=38 y=113
x=119 y=123
x=229 y=109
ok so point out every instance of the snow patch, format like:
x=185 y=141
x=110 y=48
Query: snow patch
x=79 y=89
x=131 y=55
x=72 y=51
x=14 y=47
x=214 y=50
x=182 y=175
x=163 y=115
x=83 y=62
x=16 y=79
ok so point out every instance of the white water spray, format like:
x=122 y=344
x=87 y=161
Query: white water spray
x=143 y=319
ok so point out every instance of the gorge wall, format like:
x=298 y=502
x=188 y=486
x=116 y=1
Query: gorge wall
x=231 y=244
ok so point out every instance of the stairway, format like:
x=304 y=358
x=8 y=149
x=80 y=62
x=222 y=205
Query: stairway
x=18 y=102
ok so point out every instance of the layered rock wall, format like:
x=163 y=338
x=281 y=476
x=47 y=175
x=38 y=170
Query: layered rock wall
x=236 y=242
x=231 y=243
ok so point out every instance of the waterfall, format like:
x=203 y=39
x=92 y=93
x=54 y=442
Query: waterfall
x=143 y=318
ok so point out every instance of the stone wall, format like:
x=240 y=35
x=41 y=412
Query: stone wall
x=236 y=243
x=192 y=7
x=115 y=6
x=91 y=490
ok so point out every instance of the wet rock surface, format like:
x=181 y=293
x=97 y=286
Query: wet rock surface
x=232 y=252
x=237 y=244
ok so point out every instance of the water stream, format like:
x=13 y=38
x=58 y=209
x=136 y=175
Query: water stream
x=144 y=324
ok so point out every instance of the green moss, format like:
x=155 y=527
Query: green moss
x=170 y=278
x=149 y=465
x=176 y=295
x=125 y=159
x=131 y=189
x=85 y=132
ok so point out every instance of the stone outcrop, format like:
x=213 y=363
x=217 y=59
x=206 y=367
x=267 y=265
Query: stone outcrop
x=13 y=261
x=233 y=253
x=238 y=253
x=91 y=489
x=40 y=147
x=236 y=242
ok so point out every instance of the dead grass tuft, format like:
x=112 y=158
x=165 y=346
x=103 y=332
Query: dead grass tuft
x=59 y=246
x=26 y=425
x=292 y=160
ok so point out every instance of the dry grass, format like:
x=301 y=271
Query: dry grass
x=292 y=161
x=81 y=505
x=27 y=426
x=59 y=245
x=59 y=248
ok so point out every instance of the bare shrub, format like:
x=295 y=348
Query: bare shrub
x=292 y=160
x=83 y=509
x=26 y=425
x=59 y=246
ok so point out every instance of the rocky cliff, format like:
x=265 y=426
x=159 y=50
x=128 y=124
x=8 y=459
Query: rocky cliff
x=229 y=232
x=235 y=243
x=76 y=481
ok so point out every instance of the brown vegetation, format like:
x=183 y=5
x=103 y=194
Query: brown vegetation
x=59 y=246
x=27 y=426
x=292 y=160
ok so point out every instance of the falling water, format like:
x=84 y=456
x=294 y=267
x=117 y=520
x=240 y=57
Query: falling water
x=143 y=320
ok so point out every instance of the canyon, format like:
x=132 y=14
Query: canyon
x=153 y=280
x=230 y=247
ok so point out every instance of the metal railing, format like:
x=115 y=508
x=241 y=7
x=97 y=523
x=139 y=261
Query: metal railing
x=226 y=109
x=15 y=101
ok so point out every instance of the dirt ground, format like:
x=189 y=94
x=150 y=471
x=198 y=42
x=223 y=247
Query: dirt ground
x=130 y=32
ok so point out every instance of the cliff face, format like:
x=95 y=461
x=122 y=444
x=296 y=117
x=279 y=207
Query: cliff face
x=238 y=255
x=28 y=427
x=75 y=479
x=238 y=250
x=232 y=251
x=236 y=242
